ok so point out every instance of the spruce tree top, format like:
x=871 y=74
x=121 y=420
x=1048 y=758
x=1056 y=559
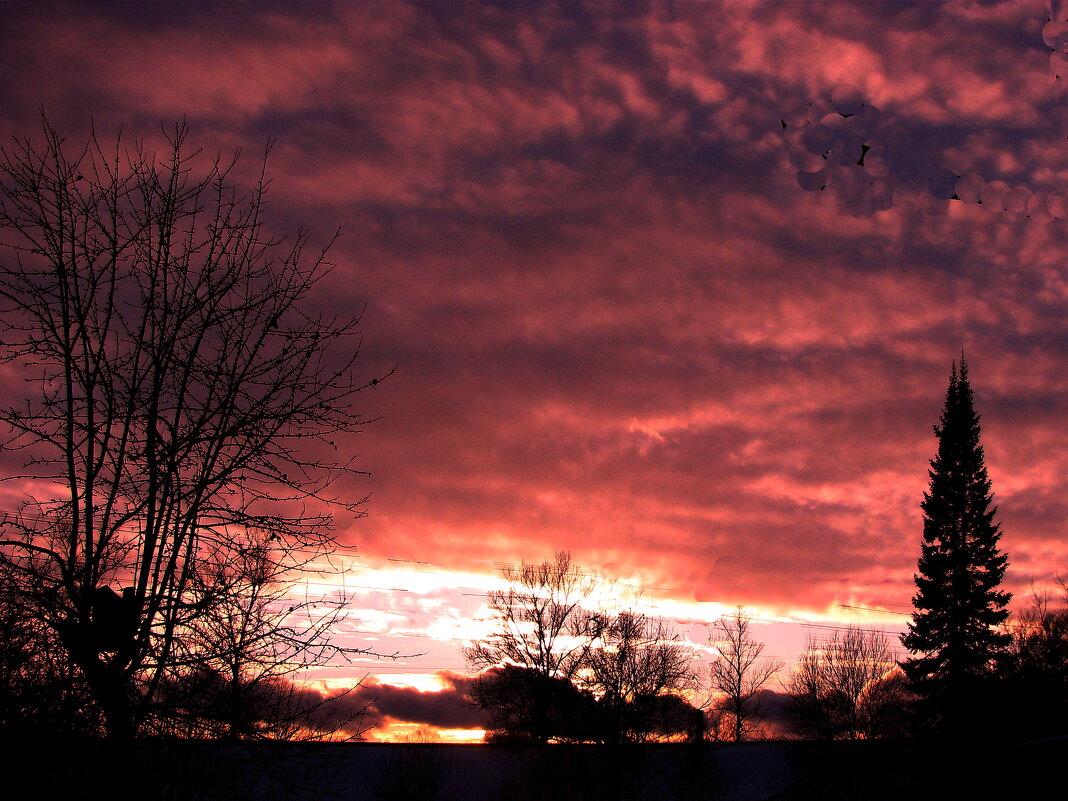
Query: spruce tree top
x=953 y=633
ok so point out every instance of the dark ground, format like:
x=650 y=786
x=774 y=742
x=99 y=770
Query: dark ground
x=87 y=770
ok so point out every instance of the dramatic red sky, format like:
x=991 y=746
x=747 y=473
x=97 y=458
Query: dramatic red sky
x=621 y=327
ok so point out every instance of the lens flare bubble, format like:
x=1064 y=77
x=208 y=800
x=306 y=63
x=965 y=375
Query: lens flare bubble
x=805 y=161
x=850 y=183
x=836 y=124
x=898 y=143
x=941 y=183
x=881 y=194
x=846 y=153
x=1058 y=65
x=794 y=113
x=846 y=99
x=1038 y=208
x=882 y=133
x=876 y=164
x=835 y=135
x=812 y=181
x=855 y=128
x=818 y=139
x=794 y=135
x=818 y=110
x=1052 y=30
x=993 y=195
x=862 y=210
x=903 y=157
x=1058 y=121
x=782 y=158
x=1016 y=200
x=873 y=116
x=907 y=196
x=969 y=186
x=1057 y=203
x=907 y=167
x=935 y=206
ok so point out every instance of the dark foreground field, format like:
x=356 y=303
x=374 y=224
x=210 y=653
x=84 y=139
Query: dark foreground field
x=851 y=771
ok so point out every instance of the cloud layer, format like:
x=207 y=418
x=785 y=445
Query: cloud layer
x=621 y=327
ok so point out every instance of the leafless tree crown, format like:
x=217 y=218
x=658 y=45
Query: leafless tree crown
x=543 y=625
x=848 y=686
x=554 y=670
x=183 y=402
x=737 y=676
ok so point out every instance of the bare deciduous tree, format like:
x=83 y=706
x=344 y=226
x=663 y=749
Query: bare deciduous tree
x=41 y=691
x=555 y=670
x=542 y=628
x=738 y=674
x=635 y=669
x=236 y=668
x=1034 y=685
x=847 y=686
x=1040 y=634
x=543 y=625
x=184 y=401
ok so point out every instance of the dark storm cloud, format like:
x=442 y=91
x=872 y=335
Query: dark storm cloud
x=445 y=709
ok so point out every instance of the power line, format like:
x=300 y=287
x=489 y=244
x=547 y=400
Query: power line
x=873 y=609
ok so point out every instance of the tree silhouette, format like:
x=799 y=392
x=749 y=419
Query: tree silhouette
x=543 y=629
x=738 y=674
x=555 y=671
x=953 y=635
x=636 y=671
x=1035 y=687
x=847 y=687
x=183 y=407
x=522 y=705
x=41 y=691
x=237 y=667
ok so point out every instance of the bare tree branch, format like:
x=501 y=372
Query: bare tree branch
x=848 y=687
x=184 y=402
x=738 y=674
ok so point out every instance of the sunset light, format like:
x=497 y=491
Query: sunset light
x=665 y=297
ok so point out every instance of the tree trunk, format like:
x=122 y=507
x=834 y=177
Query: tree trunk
x=106 y=682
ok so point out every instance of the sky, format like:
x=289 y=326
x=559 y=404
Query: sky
x=632 y=313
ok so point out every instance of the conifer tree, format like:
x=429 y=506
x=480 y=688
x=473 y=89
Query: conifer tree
x=954 y=636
